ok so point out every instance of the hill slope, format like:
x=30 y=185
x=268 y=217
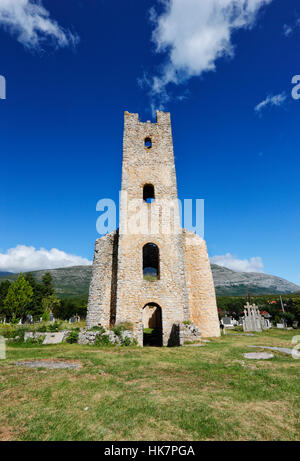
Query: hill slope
x=231 y=283
x=74 y=281
x=68 y=281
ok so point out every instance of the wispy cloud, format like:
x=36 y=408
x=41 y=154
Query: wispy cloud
x=288 y=29
x=193 y=34
x=228 y=260
x=276 y=100
x=27 y=258
x=31 y=24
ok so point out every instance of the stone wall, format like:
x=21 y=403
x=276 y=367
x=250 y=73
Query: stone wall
x=89 y=336
x=102 y=292
x=189 y=332
x=201 y=291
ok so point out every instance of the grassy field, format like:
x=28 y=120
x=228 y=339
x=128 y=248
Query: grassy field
x=130 y=393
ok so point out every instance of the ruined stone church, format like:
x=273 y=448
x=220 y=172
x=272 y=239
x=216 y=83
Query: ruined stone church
x=142 y=274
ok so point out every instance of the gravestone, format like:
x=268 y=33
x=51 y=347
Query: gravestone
x=54 y=338
x=72 y=319
x=29 y=319
x=252 y=321
x=284 y=350
x=258 y=355
x=266 y=324
x=48 y=364
x=226 y=321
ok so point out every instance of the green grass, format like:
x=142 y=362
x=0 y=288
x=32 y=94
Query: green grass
x=187 y=393
x=150 y=278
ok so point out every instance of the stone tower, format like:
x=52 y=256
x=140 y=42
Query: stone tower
x=151 y=272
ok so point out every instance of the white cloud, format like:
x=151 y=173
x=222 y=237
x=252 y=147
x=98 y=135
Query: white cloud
x=289 y=29
x=276 y=100
x=194 y=34
x=30 y=22
x=228 y=260
x=26 y=258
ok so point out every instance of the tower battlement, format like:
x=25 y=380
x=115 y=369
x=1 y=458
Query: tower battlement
x=162 y=118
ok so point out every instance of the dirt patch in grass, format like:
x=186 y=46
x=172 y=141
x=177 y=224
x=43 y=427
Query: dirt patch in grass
x=261 y=420
x=6 y=433
x=154 y=430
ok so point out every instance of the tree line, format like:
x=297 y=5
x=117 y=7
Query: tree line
x=287 y=308
x=27 y=297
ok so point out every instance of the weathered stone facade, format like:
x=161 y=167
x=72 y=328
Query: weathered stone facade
x=183 y=287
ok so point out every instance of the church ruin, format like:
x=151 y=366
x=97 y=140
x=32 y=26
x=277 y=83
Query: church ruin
x=153 y=274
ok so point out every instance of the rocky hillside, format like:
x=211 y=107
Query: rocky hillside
x=74 y=281
x=230 y=283
x=68 y=281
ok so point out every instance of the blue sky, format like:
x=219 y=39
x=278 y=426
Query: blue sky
x=70 y=76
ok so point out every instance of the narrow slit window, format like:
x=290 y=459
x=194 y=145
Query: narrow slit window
x=151 y=262
x=148 y=193
x=148 y=143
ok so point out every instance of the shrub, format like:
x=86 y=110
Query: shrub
x=38 y=340
x=100 y=328
x=54 y=327
x=117 y=329
x=46 y=317
x=128 y=342
x=73 y=336
x=102 y=340
x=17 y=333
x=187 y=322
x=126 y=326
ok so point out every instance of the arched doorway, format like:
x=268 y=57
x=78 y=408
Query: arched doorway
x=152 y=325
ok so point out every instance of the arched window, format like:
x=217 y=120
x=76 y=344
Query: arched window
x=150 y=262
x=148 y=143
x=148 y=193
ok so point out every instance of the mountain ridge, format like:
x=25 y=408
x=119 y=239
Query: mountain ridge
x=74 y=281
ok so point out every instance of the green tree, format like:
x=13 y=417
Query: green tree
x=70 y=307
x=30 y=278
x=4 y=286
x=288 y=317
x=18 y=298
x=47 y=285
x=50 y=304
x=39 y=291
